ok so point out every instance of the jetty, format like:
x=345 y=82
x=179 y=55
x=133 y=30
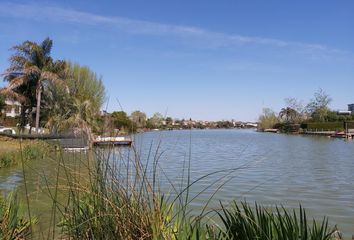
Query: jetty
x=271 y=130
x=122 y=141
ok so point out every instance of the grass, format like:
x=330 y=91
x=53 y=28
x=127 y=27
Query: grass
x=12 y=155
x=244 y=222
x=8 y=145
x=12 y=225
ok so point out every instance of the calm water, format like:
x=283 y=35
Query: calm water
x=317 y=172
x=267 y=168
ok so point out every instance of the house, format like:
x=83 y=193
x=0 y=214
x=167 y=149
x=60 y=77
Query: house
x=351 y=107
x=12 y=108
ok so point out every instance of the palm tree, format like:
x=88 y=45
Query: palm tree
x=31 y=67
x=289 y=114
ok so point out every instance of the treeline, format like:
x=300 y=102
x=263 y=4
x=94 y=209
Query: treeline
x=296 y=115
x=138 y=121
x=54 y=94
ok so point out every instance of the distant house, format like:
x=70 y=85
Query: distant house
x=12 y=108
x=344 y=112
x=351 y=107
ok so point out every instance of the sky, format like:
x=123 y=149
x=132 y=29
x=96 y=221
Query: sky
x=206 y=60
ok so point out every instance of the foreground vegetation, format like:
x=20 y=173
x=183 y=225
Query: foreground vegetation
x=14 y=153
x=122 y=200
x=12 y=225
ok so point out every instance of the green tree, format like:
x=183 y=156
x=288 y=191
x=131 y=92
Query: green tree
x=299 y=107
x=138 y=118
x=318 y=107
x=77 y=104
x=84 y=84
x=156 y=120
x=31 y=68
x=267 y=119
x=169 y=121
x=122 y=121
x=288 y=114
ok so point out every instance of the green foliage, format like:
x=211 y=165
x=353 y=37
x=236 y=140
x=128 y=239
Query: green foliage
x=288 y=127
x=31 y=69
x=121 y=121
x=139 y=119
x=76 y=104
x=155 y=121
x=12 y=225
x=318 y=107
x=247 y=223
x=84 y=85
x=224 y=124
x=268 y=119
x=330 y=126
x=169 y=121
x=31 y=152
x=290 y=115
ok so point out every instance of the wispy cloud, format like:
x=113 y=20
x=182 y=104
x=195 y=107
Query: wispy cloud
x=215 y=39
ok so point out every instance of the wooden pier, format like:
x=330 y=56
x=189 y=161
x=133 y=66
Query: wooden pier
x=117 y=141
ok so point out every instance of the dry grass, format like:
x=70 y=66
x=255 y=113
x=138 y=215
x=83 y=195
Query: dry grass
x=10 y=145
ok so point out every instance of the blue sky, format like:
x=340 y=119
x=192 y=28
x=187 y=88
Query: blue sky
x=201 y=59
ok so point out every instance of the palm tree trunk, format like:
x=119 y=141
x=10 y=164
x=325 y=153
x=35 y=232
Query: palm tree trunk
x=39 y=95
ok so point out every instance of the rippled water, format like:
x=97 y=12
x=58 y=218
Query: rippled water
x=316 y=172
x=270 y=169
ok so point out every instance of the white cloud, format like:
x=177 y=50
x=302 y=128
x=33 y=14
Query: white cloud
x=216 y=39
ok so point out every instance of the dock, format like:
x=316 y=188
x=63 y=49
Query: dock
x=119 y=141
x=271 y=130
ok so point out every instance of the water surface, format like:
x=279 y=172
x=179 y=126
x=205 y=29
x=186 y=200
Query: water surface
x=316 y=172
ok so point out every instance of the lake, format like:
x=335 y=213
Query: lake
x=316 y=172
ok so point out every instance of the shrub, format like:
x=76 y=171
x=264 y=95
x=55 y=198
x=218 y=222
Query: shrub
x=12 y=226
x=330 y=126
x=247 y=223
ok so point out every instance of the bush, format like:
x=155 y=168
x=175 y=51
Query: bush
x=329 y=126
x=247 y=223
x=288 y=127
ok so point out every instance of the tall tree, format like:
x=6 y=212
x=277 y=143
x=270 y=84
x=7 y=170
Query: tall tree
x=139 y=119
x=77 y=104
x=289 y=114
x=31 y=68
x=121 y=120
x=267 y=119
x=156 y=120
x=318 y=107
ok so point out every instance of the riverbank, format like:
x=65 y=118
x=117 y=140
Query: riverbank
x=13 y=151
x=8 y=145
